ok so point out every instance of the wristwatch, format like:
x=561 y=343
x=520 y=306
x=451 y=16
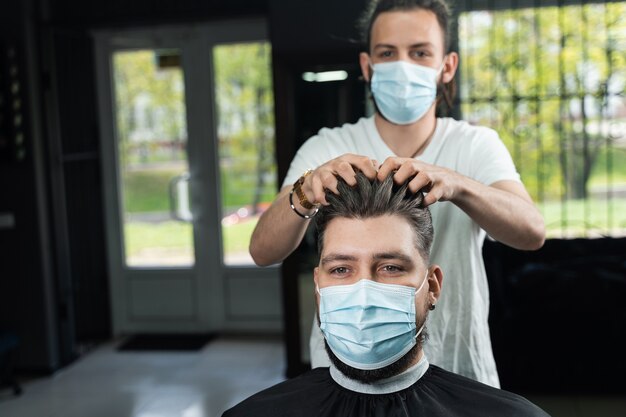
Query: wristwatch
x=297 y=188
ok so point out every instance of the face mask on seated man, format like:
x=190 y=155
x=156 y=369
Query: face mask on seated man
x=375 y=289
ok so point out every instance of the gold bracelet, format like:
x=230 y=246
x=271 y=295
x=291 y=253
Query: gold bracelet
x=297 y=187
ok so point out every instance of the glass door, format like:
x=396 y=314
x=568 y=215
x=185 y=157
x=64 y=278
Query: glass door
x=187 y=149
x=153 y=167
x=245 y=109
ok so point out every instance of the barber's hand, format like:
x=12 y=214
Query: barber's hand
x=324 y=176
x=440 y=184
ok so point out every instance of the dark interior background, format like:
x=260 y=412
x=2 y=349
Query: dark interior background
x=558 y=321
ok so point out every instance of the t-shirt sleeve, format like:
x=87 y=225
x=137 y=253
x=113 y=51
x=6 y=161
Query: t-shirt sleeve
x=491 y=160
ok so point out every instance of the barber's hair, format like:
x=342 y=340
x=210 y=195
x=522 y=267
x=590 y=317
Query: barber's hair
x=439 y=7
x=371 y=199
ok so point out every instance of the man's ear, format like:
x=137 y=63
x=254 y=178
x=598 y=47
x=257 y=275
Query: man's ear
x=451 y=63
x=364 y=62
x=435 y=280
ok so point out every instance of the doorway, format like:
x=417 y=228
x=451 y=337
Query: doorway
x=187 y=127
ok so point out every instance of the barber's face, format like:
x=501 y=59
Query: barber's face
x=413 y=36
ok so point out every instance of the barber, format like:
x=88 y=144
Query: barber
x=467 y=173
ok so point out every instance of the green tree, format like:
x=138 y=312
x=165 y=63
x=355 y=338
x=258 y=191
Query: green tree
x=547 y=79
x=246 y=111
x=142 y=83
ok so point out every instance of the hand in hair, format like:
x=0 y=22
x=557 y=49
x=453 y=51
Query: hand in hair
x=325 y=176
x=440 y=183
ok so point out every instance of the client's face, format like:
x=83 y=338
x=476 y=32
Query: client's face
x=374 y=293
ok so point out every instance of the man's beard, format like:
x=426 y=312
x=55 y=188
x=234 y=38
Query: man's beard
x=374 y=375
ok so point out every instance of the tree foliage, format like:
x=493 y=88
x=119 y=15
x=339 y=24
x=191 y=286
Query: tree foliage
x=246 y=122
x=150 y=104
x=551 y=81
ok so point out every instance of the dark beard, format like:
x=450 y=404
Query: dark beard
x=374 y=375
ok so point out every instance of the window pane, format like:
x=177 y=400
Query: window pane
x=245 y=104
x=551 y=81
x=152 y=139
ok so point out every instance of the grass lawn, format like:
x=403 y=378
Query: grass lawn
x=177 y=237
x=596 y=216
x=148 y=190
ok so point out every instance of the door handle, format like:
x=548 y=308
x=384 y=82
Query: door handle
x=179 y=198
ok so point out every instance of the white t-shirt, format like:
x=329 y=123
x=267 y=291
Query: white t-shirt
x=458 y=329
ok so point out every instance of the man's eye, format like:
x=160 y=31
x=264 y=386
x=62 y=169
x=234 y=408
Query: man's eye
x=391 y=268
x=340 y=270
x=386 y=54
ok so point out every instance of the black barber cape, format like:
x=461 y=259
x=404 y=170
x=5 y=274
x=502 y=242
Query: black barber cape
x=438 y=393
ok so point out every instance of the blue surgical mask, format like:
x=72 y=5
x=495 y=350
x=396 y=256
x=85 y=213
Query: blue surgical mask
x=404 y=92
x=369 y=325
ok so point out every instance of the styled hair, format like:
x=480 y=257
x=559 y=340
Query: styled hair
x=441 y=10
x=371 y=199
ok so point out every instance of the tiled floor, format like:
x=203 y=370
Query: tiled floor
x=108 y=383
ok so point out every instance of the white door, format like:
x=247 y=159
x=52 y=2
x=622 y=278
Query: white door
x=186 y=122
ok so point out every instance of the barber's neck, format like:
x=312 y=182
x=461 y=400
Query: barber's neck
x=407 y=141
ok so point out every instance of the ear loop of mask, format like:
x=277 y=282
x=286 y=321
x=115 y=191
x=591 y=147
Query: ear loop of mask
x=418 y=290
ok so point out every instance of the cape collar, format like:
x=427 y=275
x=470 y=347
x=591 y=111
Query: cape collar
x=384 y=386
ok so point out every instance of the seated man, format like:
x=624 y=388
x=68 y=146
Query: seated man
x=374 y=289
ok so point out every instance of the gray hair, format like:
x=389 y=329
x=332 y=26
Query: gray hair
x=375 y=199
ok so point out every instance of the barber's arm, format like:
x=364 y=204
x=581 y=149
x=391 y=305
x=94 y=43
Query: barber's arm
x=503 y=209
x=281 y=227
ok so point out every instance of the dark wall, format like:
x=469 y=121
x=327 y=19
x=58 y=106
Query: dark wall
x=557 y=319
x=75 y=181
x=318 y=32
x=77 y=13
x=27 y=289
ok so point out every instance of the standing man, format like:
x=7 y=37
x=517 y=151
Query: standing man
x=467 y=174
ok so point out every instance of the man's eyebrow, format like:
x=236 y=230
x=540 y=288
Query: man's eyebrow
x=422 y=45
x=334 y=257
x=384 y=45
x=414 y=45
x=393 y=255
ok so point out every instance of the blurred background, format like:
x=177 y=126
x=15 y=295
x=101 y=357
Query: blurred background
x=140 y=141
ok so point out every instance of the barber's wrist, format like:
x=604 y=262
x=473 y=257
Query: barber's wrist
x=300 y=211
x=298 y=190
x=303 y=209
x=298 y=200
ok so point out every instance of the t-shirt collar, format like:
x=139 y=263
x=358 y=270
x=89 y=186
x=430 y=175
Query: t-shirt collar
x=378 y=142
